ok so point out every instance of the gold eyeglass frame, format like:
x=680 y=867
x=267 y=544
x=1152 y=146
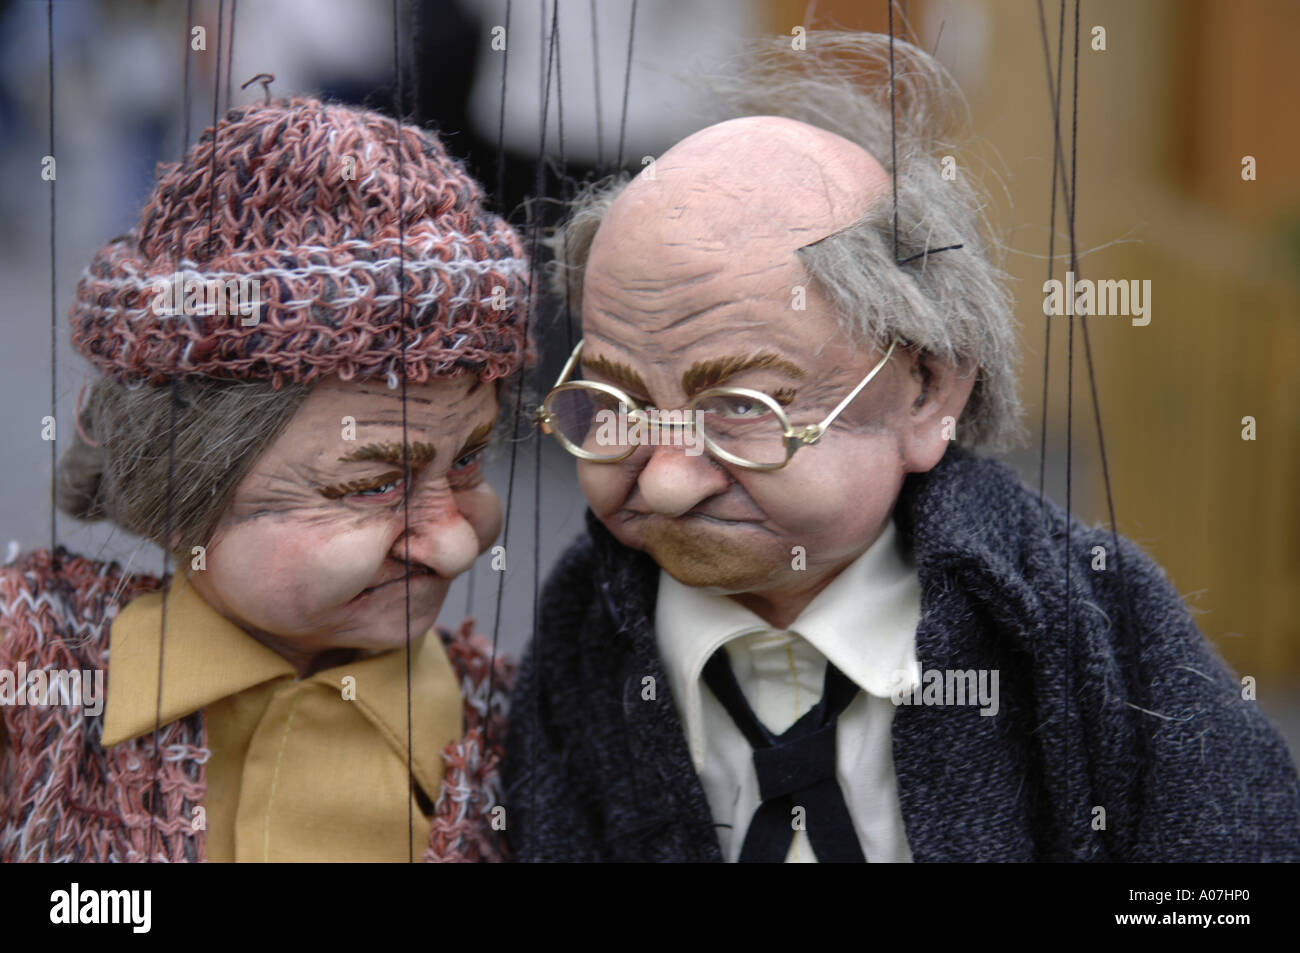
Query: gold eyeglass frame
x=543 y=417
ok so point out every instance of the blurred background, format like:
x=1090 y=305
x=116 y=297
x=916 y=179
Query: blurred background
x=1181 y=93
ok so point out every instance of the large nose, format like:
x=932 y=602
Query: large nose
x=440 y=537
x=673 y=482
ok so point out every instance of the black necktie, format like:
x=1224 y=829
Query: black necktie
x=795 y=769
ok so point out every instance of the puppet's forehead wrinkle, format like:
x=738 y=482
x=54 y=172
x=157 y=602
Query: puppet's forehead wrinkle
x=642 y=347
x=643 y=282
x=701 y=312
x=613 y=320
x=593 y=337
x=764 y=270
x=681 y=317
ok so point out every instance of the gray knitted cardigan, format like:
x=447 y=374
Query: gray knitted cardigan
x=1143 y=720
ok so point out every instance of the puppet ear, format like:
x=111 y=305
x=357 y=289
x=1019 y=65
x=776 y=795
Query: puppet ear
x=939 y=391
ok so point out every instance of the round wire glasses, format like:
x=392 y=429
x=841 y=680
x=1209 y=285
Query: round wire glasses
x=747 y=428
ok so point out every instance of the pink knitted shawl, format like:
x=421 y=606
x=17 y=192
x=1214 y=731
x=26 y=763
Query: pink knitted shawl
x=64 y=797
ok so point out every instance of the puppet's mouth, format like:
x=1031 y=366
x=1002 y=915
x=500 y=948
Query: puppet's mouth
x=718 y=520
x=695 y=517
x=414 y=575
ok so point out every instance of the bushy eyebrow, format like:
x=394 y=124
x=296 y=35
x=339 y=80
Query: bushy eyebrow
x=620 y=374
x=702 y=375
x=418 y=454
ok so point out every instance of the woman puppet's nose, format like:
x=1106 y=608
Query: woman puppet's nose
x=440 y=538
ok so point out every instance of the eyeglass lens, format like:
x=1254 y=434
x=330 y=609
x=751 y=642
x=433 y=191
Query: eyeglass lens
x=598 y=424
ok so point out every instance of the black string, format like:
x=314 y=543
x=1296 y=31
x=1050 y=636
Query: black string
x=568 y=324
x=1133 y=675
x=212 y=175
x=627 y=85
x=1069 y=438
x=568 y=329
x=230 y=48
x=564 y=180
x=501 y=207
x=185 y=119
x=54 y=325
x=171 y=470
x=412 y=61
x=1054 y=100
x=398 y=106
x=559 y=89
x=501 y=124
x=535 y=221
x=924 y=254
x=893 y=132
x=595 y=73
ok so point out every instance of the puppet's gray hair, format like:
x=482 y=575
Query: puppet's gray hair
x=952 y=304
x=131 y=472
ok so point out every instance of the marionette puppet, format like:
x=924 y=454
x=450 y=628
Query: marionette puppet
x=805 y=623
x=300 y=349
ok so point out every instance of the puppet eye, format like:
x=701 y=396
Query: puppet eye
x=741 y=408
x=380 y=490
x=468 y=460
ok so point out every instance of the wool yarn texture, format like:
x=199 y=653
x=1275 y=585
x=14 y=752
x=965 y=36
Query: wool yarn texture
x=350 y=234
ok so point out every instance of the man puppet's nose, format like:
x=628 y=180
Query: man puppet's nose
x=673 y=482
x=440 y=538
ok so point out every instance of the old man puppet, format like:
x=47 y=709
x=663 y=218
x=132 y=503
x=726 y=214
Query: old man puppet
x=805 y=623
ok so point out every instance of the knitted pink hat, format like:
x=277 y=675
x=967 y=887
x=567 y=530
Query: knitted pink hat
x=288 y=269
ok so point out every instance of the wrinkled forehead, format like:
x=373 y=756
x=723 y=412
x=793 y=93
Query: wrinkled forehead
x=436 y=410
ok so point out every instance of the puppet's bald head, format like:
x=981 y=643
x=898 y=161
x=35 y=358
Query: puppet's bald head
x=763 y=180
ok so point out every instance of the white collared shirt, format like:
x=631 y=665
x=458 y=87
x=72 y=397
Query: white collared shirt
x=865 y=622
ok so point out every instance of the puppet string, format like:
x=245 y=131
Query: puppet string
x=893 y=128
x=1132 y=668
x=501 y=122
x=212 y=174
x=535 y=226
x=1067 y=827
x=171 y=468
x=1054 y=100
x=398 y=106
x=627 y=85
x=230 y=48
x=49 y=37
x=595 y=74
